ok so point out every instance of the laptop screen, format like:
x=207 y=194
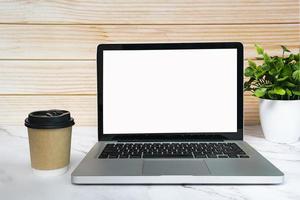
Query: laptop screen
x=169 y=91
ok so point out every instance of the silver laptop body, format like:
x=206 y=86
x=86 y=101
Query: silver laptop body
x=172 y=113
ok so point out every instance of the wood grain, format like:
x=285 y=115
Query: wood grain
x=82 y=107
x=47 y=77
x=42 y=77
x=251 y=110
x=48 y=48
x=15 y=109
x=150 y=12
x=80 y=41
x=26 y=86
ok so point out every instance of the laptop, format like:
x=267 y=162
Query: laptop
x=172 y=113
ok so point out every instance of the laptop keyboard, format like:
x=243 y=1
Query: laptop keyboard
x=172 y=150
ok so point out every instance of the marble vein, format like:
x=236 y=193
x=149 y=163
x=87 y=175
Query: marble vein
x=18 y=182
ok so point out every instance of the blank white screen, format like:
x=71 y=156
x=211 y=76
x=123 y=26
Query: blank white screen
x=169 y=91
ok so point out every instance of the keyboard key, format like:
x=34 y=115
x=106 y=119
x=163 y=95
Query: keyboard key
x=173 y=150
x=212 y=156
x=113 y=156
x=135 y=156
x=222 y=156
x=103 y=155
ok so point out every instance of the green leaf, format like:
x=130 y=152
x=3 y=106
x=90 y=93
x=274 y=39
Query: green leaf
x=268 y=86
x=280 y=63
x=267 y=58
x=286 y=71
x=296 y=66
x=249 y=72
x=296 y=75
x=282 y=79
x=279 y=90
x=288 y=92
x=297 y=57
x=260 y=92
x=259 y=73
x=296 y=92
x=259 y=49
x=265 y=67
x=271 y=92
x=277 y=77
x=284 y=48
x=273 y=71
x=290 y=58
x=288 y=84
x=252 y=64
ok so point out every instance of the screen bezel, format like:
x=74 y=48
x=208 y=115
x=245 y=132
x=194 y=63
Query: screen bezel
x=238 y=135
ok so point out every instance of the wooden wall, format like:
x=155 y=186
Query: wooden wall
x=48 y=48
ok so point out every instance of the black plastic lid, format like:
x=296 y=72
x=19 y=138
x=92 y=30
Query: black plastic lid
x=49 y=119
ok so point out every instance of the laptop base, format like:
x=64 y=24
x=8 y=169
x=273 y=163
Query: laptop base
x=253 y=170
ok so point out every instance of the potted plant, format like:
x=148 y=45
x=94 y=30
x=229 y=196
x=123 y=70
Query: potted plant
x=276 y=81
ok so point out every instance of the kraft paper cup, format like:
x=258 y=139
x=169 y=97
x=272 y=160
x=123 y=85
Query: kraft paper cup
x=49 y=135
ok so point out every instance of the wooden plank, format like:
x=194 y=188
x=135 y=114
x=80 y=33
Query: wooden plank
x=47 y=77
x=16 y=108
x=80 y=41
x=150 y=12
x=82 y=107
x=251 y=110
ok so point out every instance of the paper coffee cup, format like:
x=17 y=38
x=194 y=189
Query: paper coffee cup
x=49 y=133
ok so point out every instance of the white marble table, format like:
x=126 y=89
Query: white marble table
x=18 y=182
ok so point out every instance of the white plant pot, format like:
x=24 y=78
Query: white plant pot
x=280 y=120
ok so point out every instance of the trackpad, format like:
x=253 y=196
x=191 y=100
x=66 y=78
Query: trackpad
x=175 y=167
